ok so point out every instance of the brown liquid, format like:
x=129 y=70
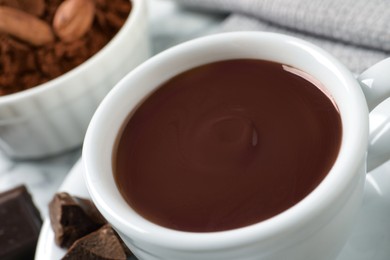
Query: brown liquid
x=226 y=145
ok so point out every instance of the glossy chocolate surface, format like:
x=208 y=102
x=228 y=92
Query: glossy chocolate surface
x=226 y=145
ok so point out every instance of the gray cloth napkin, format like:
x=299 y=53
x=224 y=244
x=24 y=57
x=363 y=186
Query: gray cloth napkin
x=357 y=32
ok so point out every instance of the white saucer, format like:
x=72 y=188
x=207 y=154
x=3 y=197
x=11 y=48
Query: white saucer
x=370 y=239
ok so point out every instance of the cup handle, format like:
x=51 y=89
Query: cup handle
x=375 y=83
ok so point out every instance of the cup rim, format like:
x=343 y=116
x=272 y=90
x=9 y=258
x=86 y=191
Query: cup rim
x=352 y=151
x=130 y=23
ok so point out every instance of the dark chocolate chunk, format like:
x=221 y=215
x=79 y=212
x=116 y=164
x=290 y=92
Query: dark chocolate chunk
x=20 y=223
x=72 y=217
x=102 y=244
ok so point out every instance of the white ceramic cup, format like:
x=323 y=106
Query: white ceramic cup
x=54 y=116
x=315 y=228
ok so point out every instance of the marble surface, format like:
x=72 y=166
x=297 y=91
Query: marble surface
x=41 y=177
x=169 y=25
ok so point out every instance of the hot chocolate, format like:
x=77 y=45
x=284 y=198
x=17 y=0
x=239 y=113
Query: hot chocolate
x=226 y=145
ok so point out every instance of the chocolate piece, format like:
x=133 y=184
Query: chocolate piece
x=99 y=245
x=72 y=217
x=20 y=223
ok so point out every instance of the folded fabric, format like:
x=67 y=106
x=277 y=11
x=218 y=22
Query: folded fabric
x=357 y=32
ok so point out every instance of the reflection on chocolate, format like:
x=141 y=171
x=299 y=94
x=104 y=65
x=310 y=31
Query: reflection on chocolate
x=227 y=144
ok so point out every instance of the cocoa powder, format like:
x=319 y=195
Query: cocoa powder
x=23 y=65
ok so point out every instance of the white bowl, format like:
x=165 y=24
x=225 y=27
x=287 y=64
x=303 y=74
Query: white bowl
x=54 y=116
